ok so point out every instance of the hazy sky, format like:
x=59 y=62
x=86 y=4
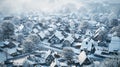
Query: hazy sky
x=13 y=6
x=44 y=5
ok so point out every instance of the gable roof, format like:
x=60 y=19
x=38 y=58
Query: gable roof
x=59 y=35
x=115 y=44
x=82 y=57
x=70 y=38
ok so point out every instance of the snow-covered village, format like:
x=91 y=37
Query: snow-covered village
x=59 y=33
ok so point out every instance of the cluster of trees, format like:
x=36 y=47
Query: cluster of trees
x=31 y=43
x=111 y=62
x=116 y=30
x=6 y=30
x=68 y=54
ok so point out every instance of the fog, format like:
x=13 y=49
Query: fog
x=19 y=6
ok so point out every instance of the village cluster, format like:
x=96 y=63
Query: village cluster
x=60 y=40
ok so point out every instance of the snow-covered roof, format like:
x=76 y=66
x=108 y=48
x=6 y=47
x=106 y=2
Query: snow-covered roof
x=115 y=44
x=46 y=32
x=86 y=43
x=82 y=57
x=41 y=34
x=19 y=61
x=92 y=22
x=19 y=48
x=63 y=64
x=70 y=38
x=16 y=43
x=98 y=52
x=35 y=30
x=11 y=50
x=2 y=44
x=59 y=35
x=55 y=62
x=77 y=44
x=88 y=32
x=2 y=57
x=20 y=27
x=101 y=29
x=50 y=29
x=77 y=36
x=6 y=42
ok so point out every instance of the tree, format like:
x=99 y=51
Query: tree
x=113 y=62
x=113 y=22
x=26 y=63
x=7 y=29
x=34 y=38
x=28 y=46
x=20 y=37
x=84 y=25
x=68 y=54
x=1 y=35
x=116 y=29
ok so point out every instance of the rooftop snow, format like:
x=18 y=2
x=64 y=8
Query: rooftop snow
x=82 y=57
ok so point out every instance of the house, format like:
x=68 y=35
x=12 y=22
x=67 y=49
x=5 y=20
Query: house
x=89 y=33
x=15 y=61
x=35 y=30
x=83 y=59
x=77 y=45
x=2 y=44
x=42 y=35
x=9 y=44
x=8 y=18
x=56 y=38
x=86 y=44
x=12 y=51
x=41 y=57
x=100 y=50
x=102 y=44
x=49 y=59
x=3 y=57
x=92 y=24
x=54 y=63
x=20 y=50
x=68 y=41
x=73 y=16
x=47 y=33
x=115 y=44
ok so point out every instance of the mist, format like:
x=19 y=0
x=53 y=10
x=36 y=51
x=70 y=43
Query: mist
x=20 y=6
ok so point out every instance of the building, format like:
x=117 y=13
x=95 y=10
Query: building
x=115 y=44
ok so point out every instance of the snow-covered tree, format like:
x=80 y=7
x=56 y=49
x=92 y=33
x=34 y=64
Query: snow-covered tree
x=1 y=35
x=20 y=37
x=68 y=54
x=28 y=46
x=7 y=29
x=114 y=62
x=113 y=22
x=116 y=30
x=34 y=38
